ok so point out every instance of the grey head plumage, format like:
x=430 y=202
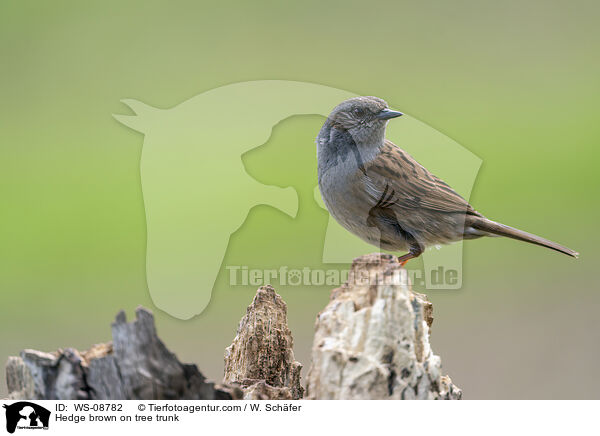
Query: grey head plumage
x=355 y=127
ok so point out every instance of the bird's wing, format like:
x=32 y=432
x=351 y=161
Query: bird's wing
x=394 y=179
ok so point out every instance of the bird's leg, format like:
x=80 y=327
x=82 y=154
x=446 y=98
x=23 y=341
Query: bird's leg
x=413 y=252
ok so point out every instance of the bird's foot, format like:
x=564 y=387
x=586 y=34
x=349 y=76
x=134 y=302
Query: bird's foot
x=403 y=260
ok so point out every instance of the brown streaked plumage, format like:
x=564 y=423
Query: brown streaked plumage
x=379 y=192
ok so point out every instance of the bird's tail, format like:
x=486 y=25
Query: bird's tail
x=488 y=226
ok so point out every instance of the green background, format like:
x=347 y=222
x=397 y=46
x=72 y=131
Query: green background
x=514 y=82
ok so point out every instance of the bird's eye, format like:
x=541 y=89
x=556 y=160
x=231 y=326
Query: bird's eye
x=359 y=112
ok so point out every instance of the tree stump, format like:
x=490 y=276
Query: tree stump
x=135 y=366
x=261 y=357
x=372 y=339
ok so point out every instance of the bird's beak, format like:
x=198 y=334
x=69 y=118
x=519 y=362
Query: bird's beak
x=387 y=114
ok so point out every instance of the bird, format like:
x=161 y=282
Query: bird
x=380 y=193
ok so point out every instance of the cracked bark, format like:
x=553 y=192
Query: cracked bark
x=261 y=357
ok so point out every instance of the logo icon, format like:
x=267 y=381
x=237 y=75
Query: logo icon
x=197 y=192
x=26 y=415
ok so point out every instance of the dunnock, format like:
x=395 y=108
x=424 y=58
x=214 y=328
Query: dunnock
x=381 y=194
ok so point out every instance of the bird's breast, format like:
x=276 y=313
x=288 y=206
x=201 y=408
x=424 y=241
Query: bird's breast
x=347 y=200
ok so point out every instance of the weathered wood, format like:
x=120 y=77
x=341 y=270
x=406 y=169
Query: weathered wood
x=261 y=357
x=372 y=339
x=371 y=342
x=135 y=366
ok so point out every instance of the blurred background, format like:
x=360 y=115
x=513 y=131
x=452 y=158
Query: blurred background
x=515 y=83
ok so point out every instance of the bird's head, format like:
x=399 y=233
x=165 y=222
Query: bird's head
x=364 y=118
